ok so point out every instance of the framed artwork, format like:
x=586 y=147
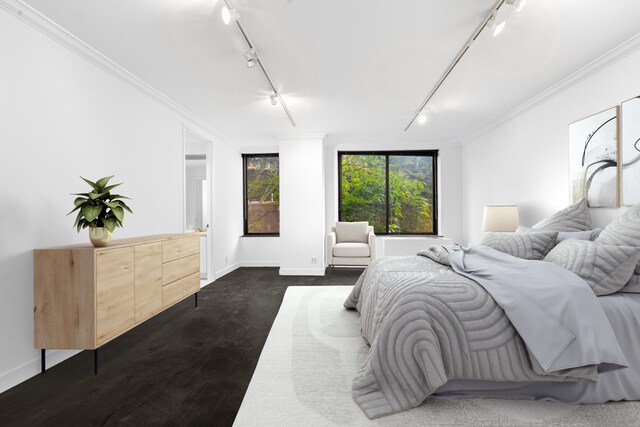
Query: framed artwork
x=630 y=151
x=593 y=159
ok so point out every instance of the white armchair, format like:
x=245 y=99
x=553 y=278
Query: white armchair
x=351 y=244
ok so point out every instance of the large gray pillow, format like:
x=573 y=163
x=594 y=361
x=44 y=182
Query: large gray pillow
x=605 y=268
x=572 y=218
x=565 y=235
x=625 y=231
x=525 y=245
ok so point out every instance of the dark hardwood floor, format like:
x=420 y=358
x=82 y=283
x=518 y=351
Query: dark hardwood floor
x=186 y=366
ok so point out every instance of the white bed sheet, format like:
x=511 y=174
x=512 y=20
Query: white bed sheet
x=623 y=312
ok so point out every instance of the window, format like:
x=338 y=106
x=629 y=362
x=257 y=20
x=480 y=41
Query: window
x=261 y=194
x=394 y=191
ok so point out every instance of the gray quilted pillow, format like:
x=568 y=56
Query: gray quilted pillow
x=525 y=245
x=572 y=218
x=565 y=235
x=605 y=268
x=625 y=231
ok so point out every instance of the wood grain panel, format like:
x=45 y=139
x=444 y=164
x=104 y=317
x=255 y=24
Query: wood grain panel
x=174 y=270
x=180 y=289
x=115 y=292
x=179 y=248
x=148 y=280
x=64 y=299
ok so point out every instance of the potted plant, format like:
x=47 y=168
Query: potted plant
x=99 y=210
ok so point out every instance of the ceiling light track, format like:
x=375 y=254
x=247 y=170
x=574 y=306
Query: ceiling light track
x=489 y=19
x=229 y=14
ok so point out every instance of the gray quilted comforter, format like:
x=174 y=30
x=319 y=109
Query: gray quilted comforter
x=426 y=325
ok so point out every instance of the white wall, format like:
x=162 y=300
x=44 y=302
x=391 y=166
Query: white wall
x=62 y=117
x=449 y=191
x=525 y=160
x=302 y=205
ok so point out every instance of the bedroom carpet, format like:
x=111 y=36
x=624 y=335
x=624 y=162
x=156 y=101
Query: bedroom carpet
x=184 y=367
x=313 y=351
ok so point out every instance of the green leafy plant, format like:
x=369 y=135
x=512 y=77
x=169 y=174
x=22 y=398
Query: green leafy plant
x=99 y=208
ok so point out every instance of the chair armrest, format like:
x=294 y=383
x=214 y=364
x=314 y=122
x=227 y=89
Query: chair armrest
x=372 y=244
x=331 y=242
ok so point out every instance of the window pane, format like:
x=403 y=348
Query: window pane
x=411 y=194
x=363 y=185
x=263 y=195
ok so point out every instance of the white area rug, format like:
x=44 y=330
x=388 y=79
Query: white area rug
x=313 y=351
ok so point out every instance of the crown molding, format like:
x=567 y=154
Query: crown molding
x=611 y=57
x=35 y=19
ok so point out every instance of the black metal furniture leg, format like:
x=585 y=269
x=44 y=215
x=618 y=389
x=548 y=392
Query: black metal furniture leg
x=95 y=362
x=43 y=360
x=196 y=299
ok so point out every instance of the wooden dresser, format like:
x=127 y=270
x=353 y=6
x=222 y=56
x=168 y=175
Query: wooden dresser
x=85 y=296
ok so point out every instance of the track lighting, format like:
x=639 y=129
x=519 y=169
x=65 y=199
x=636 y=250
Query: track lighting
x=251 y=58
x=495 y=27
x=518 y=4
x=229 y=15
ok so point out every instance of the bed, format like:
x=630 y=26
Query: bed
x=495 y=319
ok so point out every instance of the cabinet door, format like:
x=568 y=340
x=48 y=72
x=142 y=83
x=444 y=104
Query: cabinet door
x=148 y=283
x=114 y=292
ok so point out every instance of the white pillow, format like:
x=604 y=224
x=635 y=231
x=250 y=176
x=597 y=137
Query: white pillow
x=352 y=232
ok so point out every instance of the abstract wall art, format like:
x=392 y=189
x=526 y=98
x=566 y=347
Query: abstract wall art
x=593 y=159
x=630 y=151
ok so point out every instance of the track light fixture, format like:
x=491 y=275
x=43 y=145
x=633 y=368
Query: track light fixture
x=494 y=26
x=489 y=23
x=251 y=58
x=518 y=4
x=229 y=14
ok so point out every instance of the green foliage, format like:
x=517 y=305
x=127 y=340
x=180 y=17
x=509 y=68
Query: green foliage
x=363 y=192
x=263 y=179
x=98 y=207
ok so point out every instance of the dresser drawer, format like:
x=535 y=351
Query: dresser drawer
x=179 y=248
x=180 y=289
x=174 y=270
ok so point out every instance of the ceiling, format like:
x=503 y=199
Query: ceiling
x=356 y=70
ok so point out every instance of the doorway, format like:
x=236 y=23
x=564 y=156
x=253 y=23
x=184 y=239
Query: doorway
x=198 y=200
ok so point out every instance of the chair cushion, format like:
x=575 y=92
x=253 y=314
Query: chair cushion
x=351 y=250
x=352 y=232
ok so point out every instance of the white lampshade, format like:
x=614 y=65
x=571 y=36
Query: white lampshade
x=500 y=218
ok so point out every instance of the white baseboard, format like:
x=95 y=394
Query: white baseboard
x=31 y=368
x=228 y=269
x=260 y=264
x=302 y=271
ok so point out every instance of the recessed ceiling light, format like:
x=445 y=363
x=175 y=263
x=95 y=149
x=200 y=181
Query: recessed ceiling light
x=274 y=99
x=422 y=118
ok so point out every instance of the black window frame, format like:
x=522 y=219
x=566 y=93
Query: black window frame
x=427 y=153
x=245 y=201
